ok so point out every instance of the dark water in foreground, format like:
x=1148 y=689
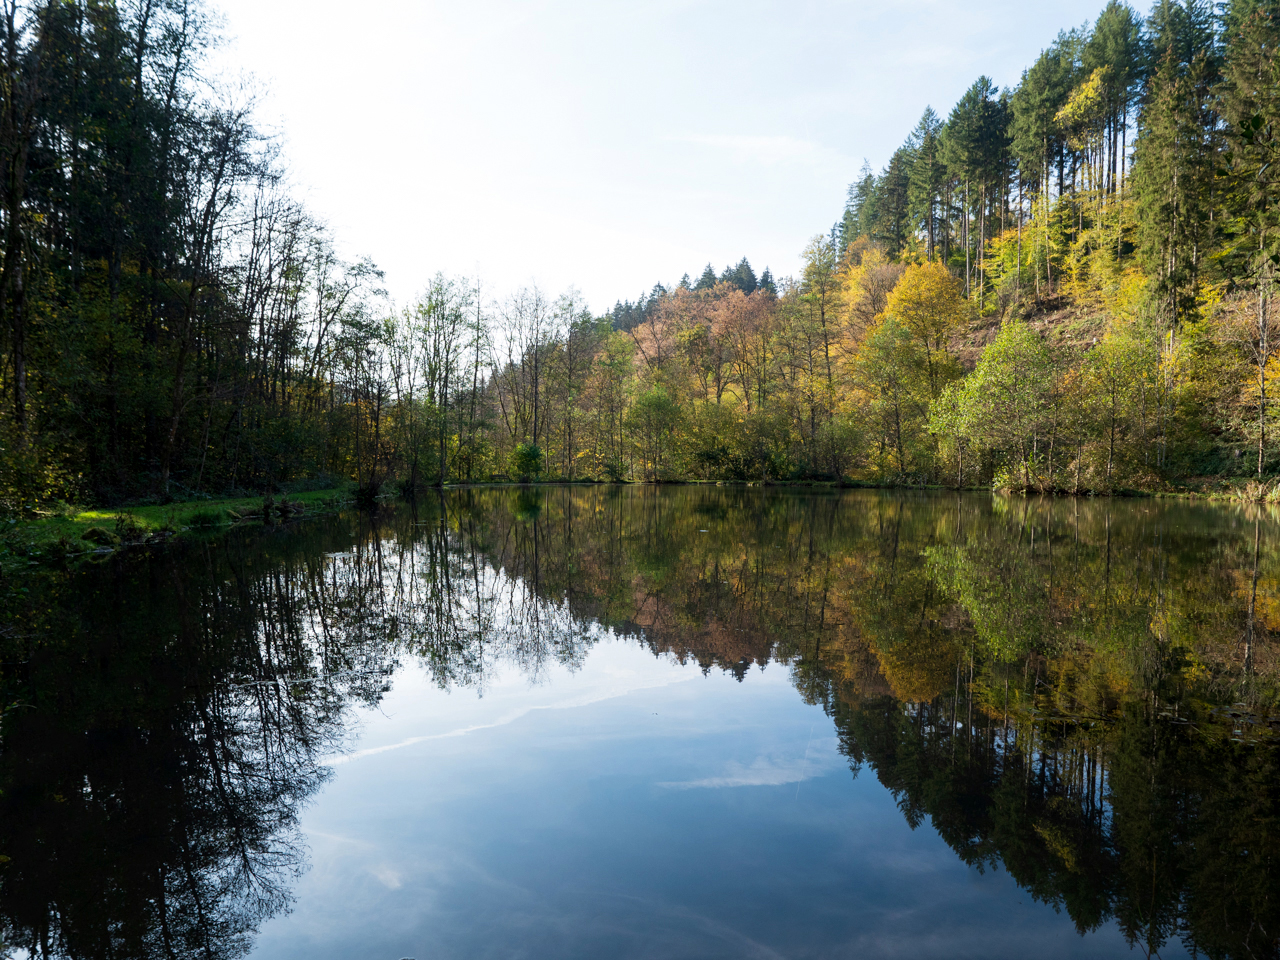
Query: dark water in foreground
x=636 y=722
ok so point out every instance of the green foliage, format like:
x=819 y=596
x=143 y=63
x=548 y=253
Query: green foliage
x=526 y=461
x=652 y=422
x=1004 y=407
x=207 y=519
x=101 y=536
x=1174 y=170
x=33 y=471
x=149 y=357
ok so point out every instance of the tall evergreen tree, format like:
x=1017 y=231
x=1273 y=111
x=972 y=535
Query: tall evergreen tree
x=1038 y=140
x=1115 y=46
x=741 y=276
x=976 y=150
x=1249 y=100
x=860 y=207
x=1175 y=159
x=927 y=180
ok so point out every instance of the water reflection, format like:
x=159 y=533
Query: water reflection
x=1081 y=693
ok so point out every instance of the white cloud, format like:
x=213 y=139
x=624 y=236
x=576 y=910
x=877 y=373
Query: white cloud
x=772 y=771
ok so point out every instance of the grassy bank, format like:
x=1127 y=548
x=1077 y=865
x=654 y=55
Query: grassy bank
x=71 y=532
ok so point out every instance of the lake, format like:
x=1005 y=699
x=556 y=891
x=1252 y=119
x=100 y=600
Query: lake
x=625 y=721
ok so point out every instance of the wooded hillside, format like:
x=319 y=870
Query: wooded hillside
x=1064 y=285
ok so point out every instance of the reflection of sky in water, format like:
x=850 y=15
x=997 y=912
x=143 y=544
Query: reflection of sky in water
x=634 y=809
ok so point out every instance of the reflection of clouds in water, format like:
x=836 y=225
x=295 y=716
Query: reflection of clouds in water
x=581 y=701
x=387 y=876
x=656 y=928
x=773 y=771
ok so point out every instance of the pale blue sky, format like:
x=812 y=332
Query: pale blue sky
x=605 y=145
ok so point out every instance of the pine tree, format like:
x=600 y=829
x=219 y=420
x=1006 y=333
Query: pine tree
x=1115 y=46
x=976 y=151
x=1249 y=101
x=893 y=222
x=859 y=208
x=1174 y=166
x=707 y=280
x=1182 y=30
x=928 y=176
x=743 y=277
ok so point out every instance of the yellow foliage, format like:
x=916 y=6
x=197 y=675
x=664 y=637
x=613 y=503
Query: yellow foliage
x=929 y=302
x=918 y=671
x=1058 y=843
x=853 y=279
x=1124 y=300
x=1083 y=114
x=1267 y=602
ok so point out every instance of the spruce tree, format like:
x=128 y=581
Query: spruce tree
x=743 y=277
x=1174 y=169
x=1115 y=46
x=893 y=223
x=1249 y=102
x=928 y=175
x=860 y=207
x=976 y=151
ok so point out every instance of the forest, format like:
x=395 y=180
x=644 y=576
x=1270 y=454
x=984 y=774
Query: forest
x=1064 y=285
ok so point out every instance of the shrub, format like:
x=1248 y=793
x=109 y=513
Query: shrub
x=526 y=461
x=101 y=536
x=205 y=518
x=128 y=529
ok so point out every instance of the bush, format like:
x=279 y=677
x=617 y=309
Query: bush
x=526 y=461
x=32 y=472
x=205 y=518
x=101 y=536
x=128 y=529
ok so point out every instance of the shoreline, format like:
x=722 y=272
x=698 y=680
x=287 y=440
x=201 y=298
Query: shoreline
x=74 y=534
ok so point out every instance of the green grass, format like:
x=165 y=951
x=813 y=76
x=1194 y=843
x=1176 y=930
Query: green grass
x=58 y=535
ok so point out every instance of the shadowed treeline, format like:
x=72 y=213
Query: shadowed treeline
x=1077 y=691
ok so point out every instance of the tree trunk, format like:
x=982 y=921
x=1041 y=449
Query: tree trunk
x=1263 y=356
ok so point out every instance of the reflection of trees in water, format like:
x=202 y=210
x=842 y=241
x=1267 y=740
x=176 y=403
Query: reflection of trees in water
x=1070 y=690
x=170 y=716
x=169 y=719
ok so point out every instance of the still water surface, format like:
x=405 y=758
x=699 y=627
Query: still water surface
x=637 y=722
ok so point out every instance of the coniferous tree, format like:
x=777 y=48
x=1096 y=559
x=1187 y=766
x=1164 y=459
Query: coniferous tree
x=740 y=276
x=1174 y=167
x=1115 y=46
x=892 y=225
x=860 y=207
x=1249 y=99
x=976 y=150
x=928 y=177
